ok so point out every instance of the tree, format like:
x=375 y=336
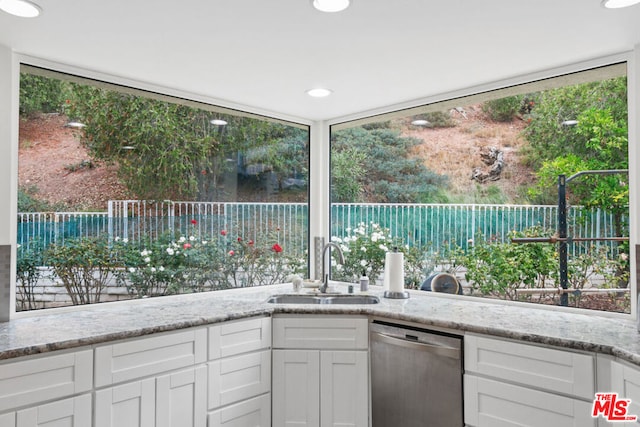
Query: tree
x=172 y=151
x=42 y=95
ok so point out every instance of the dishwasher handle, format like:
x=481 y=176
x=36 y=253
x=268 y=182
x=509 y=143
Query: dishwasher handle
x=440 y=350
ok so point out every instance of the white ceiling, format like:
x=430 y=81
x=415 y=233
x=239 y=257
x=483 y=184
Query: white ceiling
x=265 y=53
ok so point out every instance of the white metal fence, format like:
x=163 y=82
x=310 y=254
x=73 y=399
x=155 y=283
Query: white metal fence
x=436 y=225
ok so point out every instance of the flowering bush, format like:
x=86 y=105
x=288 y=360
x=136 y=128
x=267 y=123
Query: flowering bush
x=249 y=263
x=364 y=249
x=177 y=263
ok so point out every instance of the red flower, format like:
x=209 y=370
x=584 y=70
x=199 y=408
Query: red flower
x=231 y=253
x=250 y=242
x=194 y=222
x=239 y=239
x=186 y=246
x=223 y=232
x=276 y=248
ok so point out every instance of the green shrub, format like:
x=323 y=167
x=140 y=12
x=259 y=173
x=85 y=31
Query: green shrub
x=503 y=109
x=84 y=265
x=28 y=273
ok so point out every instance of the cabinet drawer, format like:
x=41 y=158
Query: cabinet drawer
x=489 y=403
x=242 y=336
x=320 y=332
x=75 y=411
x=550 y=369
x=238 y=378
x=141 y=357
x=254 y=412
x=44 y=378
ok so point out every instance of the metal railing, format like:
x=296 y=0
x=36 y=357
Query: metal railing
x=438 y=226
x=286 y=223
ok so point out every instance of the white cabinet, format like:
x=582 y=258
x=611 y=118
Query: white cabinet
x=155 y=381
x=623 y=378
x=320 y=371
x=48 y=390
x=508 y=383
x=239 y=377
x=72 y=412
x=296 y=388
x=32 y=380
x=127 y=405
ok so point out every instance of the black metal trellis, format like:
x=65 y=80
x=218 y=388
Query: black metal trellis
x=561 y=238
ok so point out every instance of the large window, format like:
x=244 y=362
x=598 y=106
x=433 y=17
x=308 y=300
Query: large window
x=127 y=194
x=469 y=189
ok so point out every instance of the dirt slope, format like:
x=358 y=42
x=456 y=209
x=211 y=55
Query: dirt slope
x=50 y=166
x=455 y=152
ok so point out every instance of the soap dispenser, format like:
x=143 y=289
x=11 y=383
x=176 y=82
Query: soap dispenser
x=364 y=282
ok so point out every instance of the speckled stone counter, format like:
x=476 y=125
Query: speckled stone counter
x=79 y=326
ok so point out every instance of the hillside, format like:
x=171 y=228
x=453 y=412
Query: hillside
x=455 y=152
x=54 y=167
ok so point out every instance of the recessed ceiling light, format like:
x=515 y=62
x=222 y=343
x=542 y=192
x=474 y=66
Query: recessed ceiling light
x=617 y=4
x=218 y=122
x=21 y=8
x=331 y=5
x=319 y=92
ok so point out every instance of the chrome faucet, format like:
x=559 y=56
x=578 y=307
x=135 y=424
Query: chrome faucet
x=325 y=277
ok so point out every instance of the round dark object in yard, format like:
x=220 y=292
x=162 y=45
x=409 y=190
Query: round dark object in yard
x=442 y=282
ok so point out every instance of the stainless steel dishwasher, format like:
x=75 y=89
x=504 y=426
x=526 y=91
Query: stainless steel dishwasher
x=416 y=377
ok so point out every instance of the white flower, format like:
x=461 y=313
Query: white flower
x=204 y=242
x=624 y=256
x=132 y=270
x=143 y=253
x=117 y=239
x=363 y=249
x=339 y=267
x=147 y=260
x=153 y=269
x=336 y=239
x=170 y=251
x=191 y=238
x=125 y=240
x=161 y=268
x=363 y=263
x=384 y=248
x=182 y=239
x=374 y=237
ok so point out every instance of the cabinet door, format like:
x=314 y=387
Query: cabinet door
x=344 y=390
x=127 y=405
x=181 y=398
x=8 y=420
x=489 y=403
x=296 y=388
x=254 y=412
x=625 y=380
x=73 y=412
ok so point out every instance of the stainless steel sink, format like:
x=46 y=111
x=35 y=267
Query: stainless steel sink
x=324 y=299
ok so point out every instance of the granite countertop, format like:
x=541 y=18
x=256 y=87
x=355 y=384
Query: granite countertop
x=43 y=331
